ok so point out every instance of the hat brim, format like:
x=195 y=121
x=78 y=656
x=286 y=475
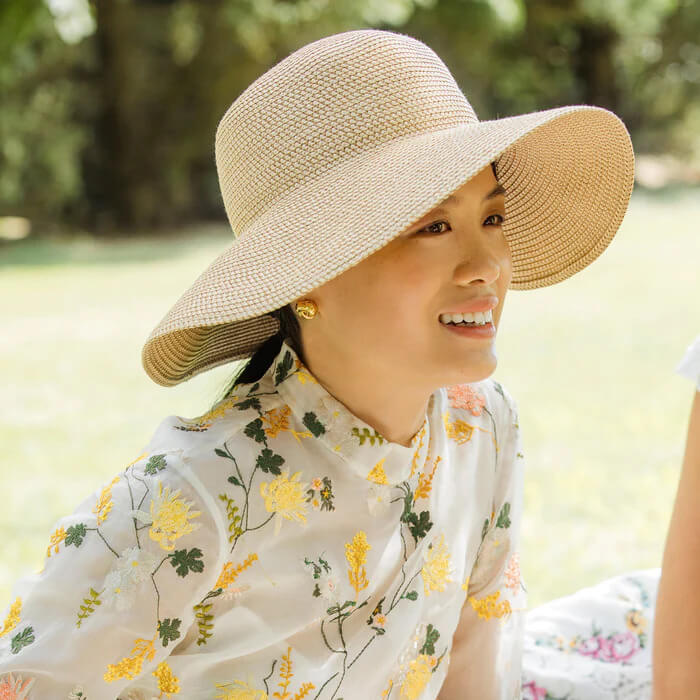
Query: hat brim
x=568 y=173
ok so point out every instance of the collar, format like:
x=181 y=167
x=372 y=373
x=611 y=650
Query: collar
x=369 y=454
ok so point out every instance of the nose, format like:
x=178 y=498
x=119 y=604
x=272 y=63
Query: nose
x=481 y=260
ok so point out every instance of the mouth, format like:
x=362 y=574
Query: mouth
x=478 y=325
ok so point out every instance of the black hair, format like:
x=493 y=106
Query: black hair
x=262 y=358
x=256 y=366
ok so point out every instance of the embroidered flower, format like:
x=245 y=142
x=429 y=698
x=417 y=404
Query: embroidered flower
x=78 y=693
x=417 y=676
x=168 y=682
x=436 y=570
x=133 y=567
x=487 y=607
x=14 y=688
x=234 y=592
x=356 y=555
x=285 y=497
x=329 y=587
x=512 y=573
x=240 y=690
x=531 y=691
x=378 y=498
x=170 y=517
x=465 y=396
x=636 y=621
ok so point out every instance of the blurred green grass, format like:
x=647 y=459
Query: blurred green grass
x=590 y=362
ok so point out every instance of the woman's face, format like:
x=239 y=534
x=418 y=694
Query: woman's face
x=385 y=311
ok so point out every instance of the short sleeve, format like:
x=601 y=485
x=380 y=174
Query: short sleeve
x=117 y=589
x=689 y=365
x=490 y=633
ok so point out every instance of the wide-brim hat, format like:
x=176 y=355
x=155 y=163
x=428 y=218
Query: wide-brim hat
x=346 y=142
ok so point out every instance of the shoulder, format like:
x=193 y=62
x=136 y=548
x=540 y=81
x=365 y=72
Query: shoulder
x=229 y=419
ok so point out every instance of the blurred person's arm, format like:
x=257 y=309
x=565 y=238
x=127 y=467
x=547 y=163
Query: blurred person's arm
x=676 y=636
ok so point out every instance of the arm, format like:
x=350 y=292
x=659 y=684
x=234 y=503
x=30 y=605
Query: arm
x=117 y=589
x=676 y=641
x=486 y=654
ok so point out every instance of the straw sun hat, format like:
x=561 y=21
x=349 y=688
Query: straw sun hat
x=350 y=139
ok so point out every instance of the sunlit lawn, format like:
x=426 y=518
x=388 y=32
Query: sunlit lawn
x=590 y=362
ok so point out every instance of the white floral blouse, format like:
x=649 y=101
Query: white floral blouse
x=279 y=547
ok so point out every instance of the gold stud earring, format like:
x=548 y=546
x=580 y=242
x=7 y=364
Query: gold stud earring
x=306 y=308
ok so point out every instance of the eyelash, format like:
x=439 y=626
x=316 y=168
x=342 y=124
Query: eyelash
x=445 y=222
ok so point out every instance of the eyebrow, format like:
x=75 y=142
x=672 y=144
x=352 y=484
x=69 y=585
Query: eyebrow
x=498 y=189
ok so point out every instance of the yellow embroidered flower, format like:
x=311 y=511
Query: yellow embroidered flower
x=377 y=473
x=316 y=483
x=487 y=607
x=380 y=620
x=130 y=666
x=636 y=621
x=303 y=374
x=356 y=554
x=240 y=690
x=170 y=517
x=285 y=497
x=435 y=571
x=104 y=502
x=417 y=677
x=459 y=430
x=12 y=618
x=168 y=683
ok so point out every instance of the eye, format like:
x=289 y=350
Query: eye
x=435 y=223
x=439 y=223
x=499 y=216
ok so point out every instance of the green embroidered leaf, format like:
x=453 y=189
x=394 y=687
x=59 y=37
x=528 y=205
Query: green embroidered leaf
x=234 y=480
x=503 y=519
x=234 y=520
x=22 y=639
x=155 y=464
x=268 y=461
x=485 y=528
x=88 y=606
x=313 y=424
x=283 y=368
x=253 y=402
x=499 y=389
x=411 y=595
x=419 y=525
x=431 y=636
x=255 y=430
x=204 y=622
x=253 y=388
x=75 y=535
x=365 y=434
x=169 y=630
x=183 y=561
x=222 y=453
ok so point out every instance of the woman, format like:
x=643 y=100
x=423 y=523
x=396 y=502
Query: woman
x=345 y=522
x=676 y=628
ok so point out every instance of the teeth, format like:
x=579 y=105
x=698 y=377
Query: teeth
x=478 y=317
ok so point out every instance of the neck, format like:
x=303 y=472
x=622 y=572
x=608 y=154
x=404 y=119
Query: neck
x=395 y=407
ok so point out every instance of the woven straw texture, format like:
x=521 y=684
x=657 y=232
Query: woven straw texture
x=347 y=141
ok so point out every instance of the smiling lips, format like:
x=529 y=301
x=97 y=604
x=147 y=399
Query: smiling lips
x=482 y=303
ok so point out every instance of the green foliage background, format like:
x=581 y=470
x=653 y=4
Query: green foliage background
x=109 y=109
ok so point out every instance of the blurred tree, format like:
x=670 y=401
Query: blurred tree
x=114 y=129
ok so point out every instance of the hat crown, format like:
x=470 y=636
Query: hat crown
x=329 y=101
